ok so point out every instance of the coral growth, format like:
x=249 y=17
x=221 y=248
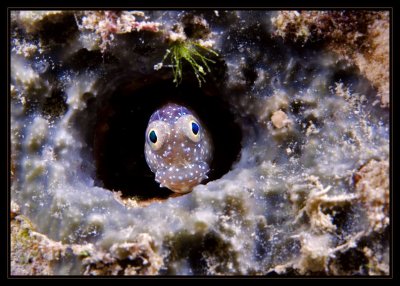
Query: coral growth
x=106 y=24
x=33 y=253
x=360 y=36
x=190 y=44
x=191 y=52
x=372 y=184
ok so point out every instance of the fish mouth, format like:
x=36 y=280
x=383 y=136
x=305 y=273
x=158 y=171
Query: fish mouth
x=182 y=178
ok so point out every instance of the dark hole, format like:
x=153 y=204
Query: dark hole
x=296 y=107
x=194 y=27
x=189 y=31
x=55 y=105
x=199 y=250
x=250 y=74
x=346 y=73
x=87 y=60
x=120 y=135
x=353 y=260
x=58 y=31
x=136 y=262
x=341 y=217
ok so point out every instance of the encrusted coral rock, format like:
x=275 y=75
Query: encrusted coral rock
x=279 y=119
x=33 y=253
x=108 y=23
x=296 y=104
x=362 y=36
x=128 y=258
x=315 y=253
x=372 y=185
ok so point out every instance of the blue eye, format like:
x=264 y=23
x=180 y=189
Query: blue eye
x=153 y=136
x=195 y=128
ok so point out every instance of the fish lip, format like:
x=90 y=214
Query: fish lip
x=178 y=174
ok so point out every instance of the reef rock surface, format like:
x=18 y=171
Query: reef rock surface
x=306 y=191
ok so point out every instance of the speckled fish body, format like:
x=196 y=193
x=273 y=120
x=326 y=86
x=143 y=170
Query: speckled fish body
x=178 y=148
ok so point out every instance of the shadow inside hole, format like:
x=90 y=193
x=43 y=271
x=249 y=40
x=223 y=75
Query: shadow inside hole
x=120 y=135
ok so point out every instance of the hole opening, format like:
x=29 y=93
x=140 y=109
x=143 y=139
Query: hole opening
x=119 y=134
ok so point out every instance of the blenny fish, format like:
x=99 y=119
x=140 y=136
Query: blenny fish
x=178 y=148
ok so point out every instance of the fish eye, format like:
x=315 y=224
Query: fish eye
x=153 y=136
x=157 y=133
x=195 y=128
x=194 y=131
x=153 y=140
x=189 y=126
